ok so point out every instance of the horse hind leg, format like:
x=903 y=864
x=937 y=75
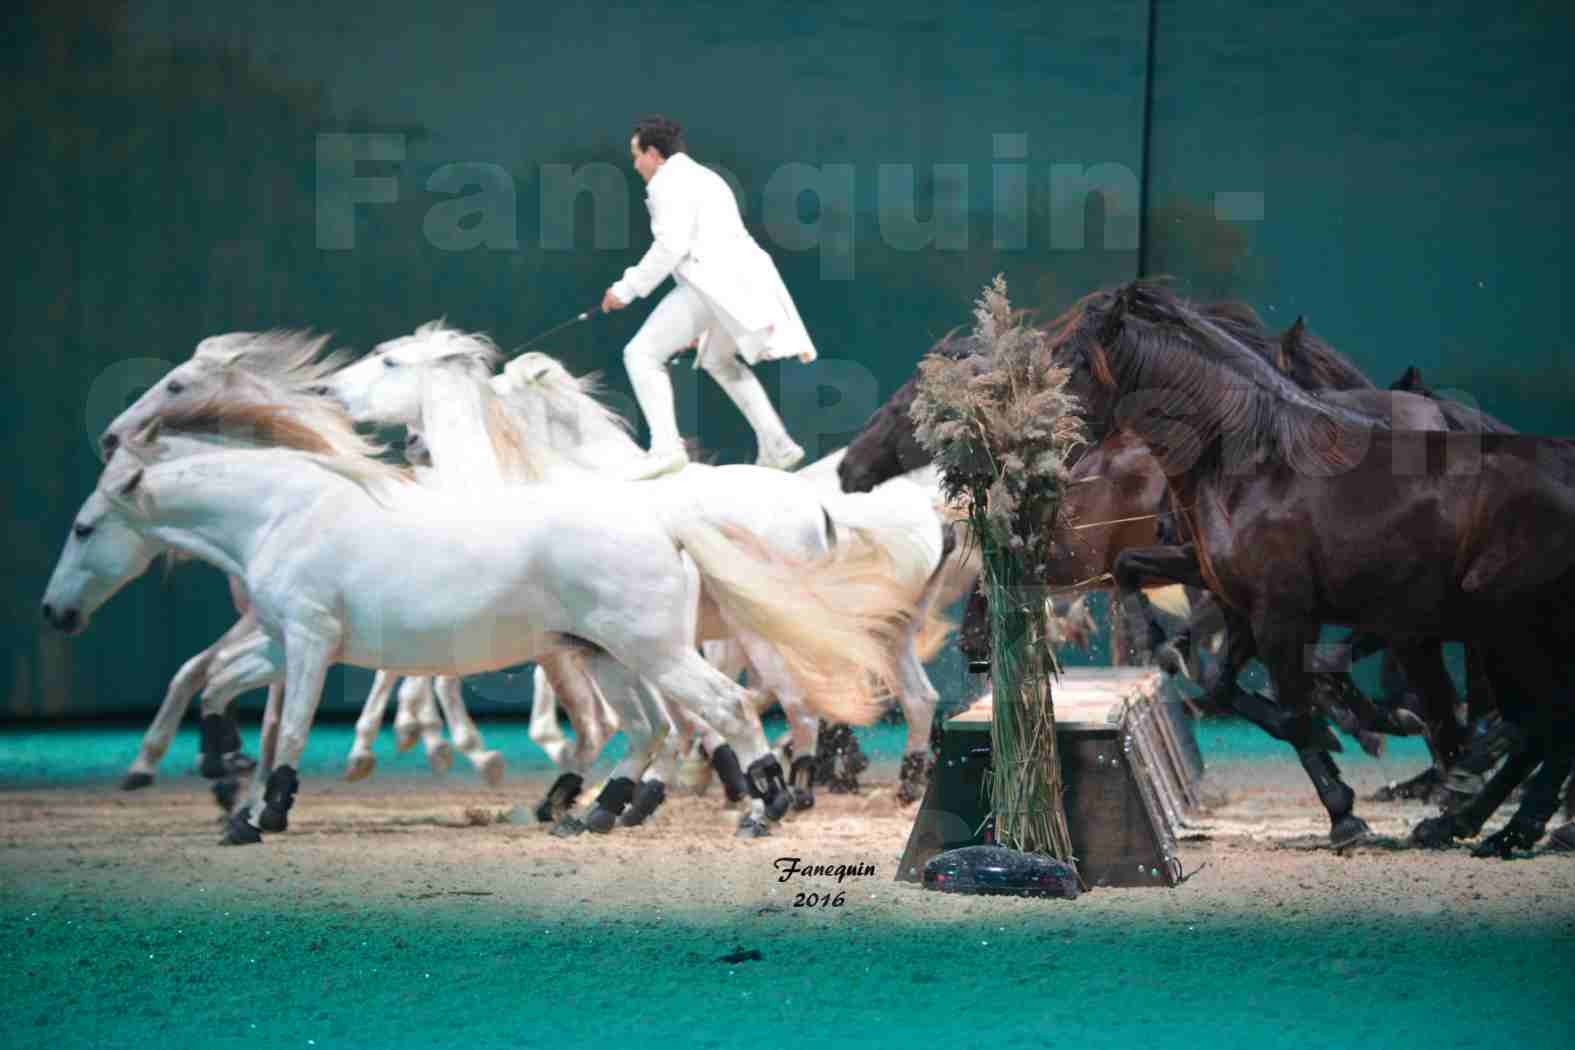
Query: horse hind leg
x=462 y=729
x=361 y=761
x=644 y=726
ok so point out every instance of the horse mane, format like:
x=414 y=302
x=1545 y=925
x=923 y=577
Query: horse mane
x=291 y=357
x=475 y=350
x=1142 y=337
x=1457 y=415
x=566 y=395
x=325 y=433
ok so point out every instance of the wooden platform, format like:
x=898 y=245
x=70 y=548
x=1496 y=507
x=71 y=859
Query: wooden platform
x=1130 y=765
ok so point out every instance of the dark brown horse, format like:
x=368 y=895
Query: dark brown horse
x=1305 y=513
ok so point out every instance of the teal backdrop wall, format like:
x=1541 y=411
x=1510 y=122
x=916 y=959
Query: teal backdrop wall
x=176 y=170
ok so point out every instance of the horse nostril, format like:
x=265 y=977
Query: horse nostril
x=68 y=620
x=49 y=614
x=110 y=442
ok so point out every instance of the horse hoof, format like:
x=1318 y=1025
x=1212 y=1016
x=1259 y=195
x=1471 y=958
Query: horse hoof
x=1514 y=837
x=239 y=832
x=136 y=781
x=491 y=766
x=568 y=827
x=225 y=792
x=360 y=767
x=1563 y=839
x=600 y=821
x=1348 y=831
x=441 y=758
x=778 y=804
x=1169 y=660
x=1435 y=832
x=406 y=737
x=647 y=797
x=750 y=828
x=803 y=798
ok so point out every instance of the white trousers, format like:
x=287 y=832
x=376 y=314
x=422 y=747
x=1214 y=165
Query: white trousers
x=676 y=322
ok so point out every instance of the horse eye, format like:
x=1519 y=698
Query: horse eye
x=389 y=362
x=174 y=387
x=82 y=531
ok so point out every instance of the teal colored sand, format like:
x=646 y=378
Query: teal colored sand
x=78 y=755
x=190 y=966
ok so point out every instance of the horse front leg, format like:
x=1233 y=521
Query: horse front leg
x=1132 y=568
x=273 y=788
x=1281 y=644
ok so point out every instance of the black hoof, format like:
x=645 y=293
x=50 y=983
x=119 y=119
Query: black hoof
x=560 y=798
x=136 y=781
x=1436 y=832
x=1170 y=660
x=778 y=805
x=803 y=798
x=1348 y=831
x=278 y=797
x=601 y=821
x=750 y=828
x=567 y=827
x=225 y=792
x=1515 y=837
x=647 y=797
x=1563 y=839
x=239 y=832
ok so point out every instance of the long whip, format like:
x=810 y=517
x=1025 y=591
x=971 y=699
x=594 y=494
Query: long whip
x=554 y=330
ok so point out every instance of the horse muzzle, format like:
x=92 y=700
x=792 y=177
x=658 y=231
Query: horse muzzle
x=68 y=621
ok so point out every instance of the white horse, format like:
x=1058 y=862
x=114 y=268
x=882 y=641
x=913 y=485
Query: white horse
x=439 y=381
x=346 y=561
x=276 y=368
x=563 y=415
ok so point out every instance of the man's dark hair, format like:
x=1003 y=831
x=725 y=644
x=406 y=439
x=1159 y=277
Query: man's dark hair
x=658 y=131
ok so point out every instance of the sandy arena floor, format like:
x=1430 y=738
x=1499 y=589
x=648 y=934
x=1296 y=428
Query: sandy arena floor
x=398 y=911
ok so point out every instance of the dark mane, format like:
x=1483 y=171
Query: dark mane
x=1187 y=367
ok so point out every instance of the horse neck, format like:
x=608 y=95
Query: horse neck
x=587 y=437
x=456 y=411
x=219 y=509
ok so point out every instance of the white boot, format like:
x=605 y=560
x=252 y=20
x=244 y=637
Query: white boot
x=777 y=448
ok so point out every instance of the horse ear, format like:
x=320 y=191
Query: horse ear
x=1293 y=334
x=130 y=485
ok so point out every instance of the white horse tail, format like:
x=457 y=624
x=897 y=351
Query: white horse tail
x=832 y=620
x=899 y=518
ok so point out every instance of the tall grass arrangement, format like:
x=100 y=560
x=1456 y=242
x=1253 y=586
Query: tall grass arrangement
x=1001 y=437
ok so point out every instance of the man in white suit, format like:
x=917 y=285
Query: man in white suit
x=729 y=301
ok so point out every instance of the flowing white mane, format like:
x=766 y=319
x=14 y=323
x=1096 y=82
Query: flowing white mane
x=563 y=415
x=435 y=341
x=289 y=356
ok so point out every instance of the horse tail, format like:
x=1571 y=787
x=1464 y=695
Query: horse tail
x=899 y=518
x=833 y=620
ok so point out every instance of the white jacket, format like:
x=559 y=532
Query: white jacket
x=700 y=239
